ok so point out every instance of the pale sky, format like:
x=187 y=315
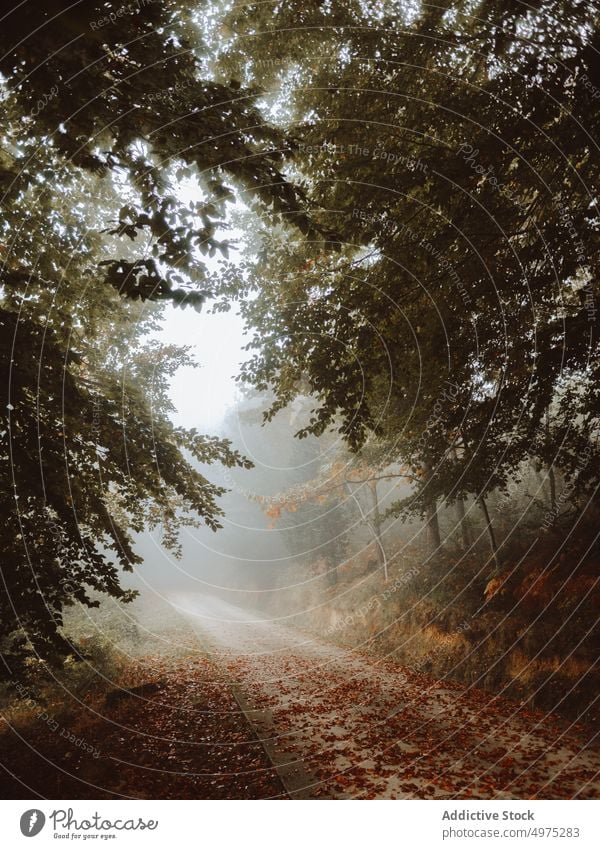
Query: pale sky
x=202 y=395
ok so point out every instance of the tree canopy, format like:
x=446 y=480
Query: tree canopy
x=108 y=111
x=452 y=149
x=420 y=180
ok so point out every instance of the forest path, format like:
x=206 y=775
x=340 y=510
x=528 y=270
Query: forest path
x=341 y=725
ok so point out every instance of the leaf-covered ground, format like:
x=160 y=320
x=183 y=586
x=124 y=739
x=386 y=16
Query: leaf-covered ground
x=181 y=736
x=368 y=729
x=184 y=720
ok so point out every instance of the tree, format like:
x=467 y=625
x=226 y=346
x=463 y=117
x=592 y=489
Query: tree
x=469 y=237
x=346 y=481
x=105 y=115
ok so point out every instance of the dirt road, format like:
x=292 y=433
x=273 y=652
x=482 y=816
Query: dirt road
x=341 y=725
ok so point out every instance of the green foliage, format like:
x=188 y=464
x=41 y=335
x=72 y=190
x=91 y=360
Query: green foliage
x=442 y=308
x=453 y=153
x=106 y=116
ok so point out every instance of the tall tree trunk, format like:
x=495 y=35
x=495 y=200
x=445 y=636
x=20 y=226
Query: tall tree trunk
x=460 y=513
x=490 y=530
x=551 y=475
x=376 y=522
x=332 y=574
x=433 y=526
x=462 y=520
x=431 y=514
x=552 y=482
x=373 y=525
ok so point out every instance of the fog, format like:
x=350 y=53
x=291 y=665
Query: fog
x=257 y=559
